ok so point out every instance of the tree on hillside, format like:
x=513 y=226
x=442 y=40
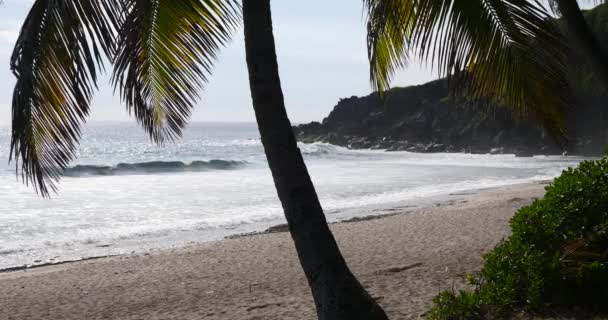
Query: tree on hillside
x=162 y=52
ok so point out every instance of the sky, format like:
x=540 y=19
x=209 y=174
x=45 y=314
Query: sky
x=322 y=58
x=321 y=52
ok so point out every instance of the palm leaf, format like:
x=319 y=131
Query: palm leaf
x=166 y=52
x=55 y=61
x=508 y=51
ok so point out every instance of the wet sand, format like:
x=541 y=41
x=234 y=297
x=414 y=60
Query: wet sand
x=403 y=258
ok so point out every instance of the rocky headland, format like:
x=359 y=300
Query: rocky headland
x=429 y=118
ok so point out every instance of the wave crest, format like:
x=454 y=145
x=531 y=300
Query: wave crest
x=152 y=167
x=320 y=149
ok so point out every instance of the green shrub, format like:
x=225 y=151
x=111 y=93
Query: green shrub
x=557 y=253
x=452 y=306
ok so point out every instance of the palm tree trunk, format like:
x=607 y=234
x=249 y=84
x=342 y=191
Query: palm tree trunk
x=338 y=295
x=583 y=35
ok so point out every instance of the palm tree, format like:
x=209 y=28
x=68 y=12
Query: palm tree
x=336 y=292
x=506 y=51
x=163 y=50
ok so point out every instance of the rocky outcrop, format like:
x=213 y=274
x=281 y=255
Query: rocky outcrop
x=427 y=118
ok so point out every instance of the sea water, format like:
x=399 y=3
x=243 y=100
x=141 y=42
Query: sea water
x=125 y=194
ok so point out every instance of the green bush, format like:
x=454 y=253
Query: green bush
x=557 y=254
x=449 y=305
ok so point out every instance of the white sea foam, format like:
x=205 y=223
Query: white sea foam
x=172 y=203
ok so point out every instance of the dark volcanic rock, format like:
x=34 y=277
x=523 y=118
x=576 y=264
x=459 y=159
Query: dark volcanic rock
x=426 y=118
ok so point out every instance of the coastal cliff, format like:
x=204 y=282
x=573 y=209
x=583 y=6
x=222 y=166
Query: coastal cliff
x=428 y=118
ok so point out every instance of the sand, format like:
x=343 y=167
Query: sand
x=403 y=259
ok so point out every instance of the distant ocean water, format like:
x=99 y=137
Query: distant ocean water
x=126 y=194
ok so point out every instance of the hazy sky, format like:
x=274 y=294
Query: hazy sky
x=321 y=51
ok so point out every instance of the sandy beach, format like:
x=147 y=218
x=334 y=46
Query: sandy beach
x=403 y=259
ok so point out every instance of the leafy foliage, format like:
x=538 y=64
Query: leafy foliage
x=451 y=305
x=509 y=51
x=162 y=52
x=557 y=253
x=166 y=50
x=55 y=63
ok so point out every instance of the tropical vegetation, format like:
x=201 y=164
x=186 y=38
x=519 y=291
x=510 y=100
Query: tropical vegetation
x=162 y=53
x=556 y=256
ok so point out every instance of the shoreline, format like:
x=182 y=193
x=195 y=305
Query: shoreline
x=279 y=228
x=374 y=213
x=403 y=258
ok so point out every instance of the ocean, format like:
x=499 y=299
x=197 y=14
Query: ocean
x=125 y=194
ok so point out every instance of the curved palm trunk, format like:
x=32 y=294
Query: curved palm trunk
x=336 y=292
x=577 y=25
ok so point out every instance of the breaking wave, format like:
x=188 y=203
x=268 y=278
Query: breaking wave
x=152 y=167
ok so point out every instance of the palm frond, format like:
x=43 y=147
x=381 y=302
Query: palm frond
x=166 y=50
x=55 y=61
x=507 y=50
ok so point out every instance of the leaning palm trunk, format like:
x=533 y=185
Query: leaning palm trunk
x=584 y=37
x=337 y=293
x=162 y=56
